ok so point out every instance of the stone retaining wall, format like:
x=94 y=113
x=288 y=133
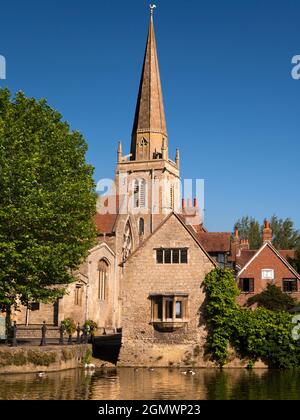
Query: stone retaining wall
x=43 y=359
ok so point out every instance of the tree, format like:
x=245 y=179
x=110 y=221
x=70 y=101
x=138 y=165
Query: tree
x=249 y=228
x=273 y=299
x=285 y=236
x=47 y=202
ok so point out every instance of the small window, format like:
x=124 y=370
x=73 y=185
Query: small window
x=168 y=256
x=267 y=274
x=178 y=310
x=172 y=256
x=247 y=285
x=184 y=256
x=221 y=258
x=142 y=227
x=290 y=285
x=35 y=306
x=160 y=256
x=78 y=295
x=167 y=308
x=176 y=256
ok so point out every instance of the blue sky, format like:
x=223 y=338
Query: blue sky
x=232 y=106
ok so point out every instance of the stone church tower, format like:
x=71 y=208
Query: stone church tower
x=147 y=177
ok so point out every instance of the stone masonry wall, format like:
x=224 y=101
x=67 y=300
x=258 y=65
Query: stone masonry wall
x=142 y=345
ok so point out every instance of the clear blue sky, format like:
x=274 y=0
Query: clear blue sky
x=231 y=104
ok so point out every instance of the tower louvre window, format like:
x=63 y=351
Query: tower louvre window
x=172 y=197
x=139 y=191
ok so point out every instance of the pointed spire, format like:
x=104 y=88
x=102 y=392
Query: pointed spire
x=150 y=122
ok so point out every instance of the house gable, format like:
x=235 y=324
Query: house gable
x=267 y=257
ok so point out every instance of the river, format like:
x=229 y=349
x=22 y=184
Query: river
x=160 y=384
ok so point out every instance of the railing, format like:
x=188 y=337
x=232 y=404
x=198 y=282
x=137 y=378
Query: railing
x=45 y=333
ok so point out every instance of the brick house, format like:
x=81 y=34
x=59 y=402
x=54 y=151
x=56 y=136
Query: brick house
x=258 y=268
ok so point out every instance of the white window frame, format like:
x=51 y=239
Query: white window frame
x=265 y=276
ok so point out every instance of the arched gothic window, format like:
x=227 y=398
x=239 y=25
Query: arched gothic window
x=127 y=242
x=103 y=280
x=141 y=227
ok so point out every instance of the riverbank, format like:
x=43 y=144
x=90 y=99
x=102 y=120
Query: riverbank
x=32 y=359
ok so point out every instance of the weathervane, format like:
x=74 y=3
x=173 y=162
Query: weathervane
x=152 y=8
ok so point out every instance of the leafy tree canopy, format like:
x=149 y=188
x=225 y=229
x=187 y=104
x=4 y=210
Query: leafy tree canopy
x=47 y=201
x=274 y=299
x=285 y=236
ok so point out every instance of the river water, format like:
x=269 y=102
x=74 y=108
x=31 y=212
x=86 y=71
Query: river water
x=160 y=384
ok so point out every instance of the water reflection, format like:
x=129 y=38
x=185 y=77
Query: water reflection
x=160 y=384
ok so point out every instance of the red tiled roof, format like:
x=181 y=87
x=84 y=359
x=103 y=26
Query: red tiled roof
x=105 y=222
x=246 y=255
x=288 y=254
x=214 y=242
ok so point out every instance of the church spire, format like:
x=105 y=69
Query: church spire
x=149 y=129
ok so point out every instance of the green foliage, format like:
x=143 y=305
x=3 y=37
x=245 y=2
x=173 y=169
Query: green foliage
x=285 y=236
x=274 y=299
x=91 y=326
x=253 y=334
x=296 y=261
x=87 y=357
x=250 y=229
x=47 y=202
x=70 y=326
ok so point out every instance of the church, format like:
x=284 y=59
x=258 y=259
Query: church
x=145 y=275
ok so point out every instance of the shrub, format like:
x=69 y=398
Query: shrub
x=253 y=334
x=91 y=326
x=273 y=298
x=70 y=326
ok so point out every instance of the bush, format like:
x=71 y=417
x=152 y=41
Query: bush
x=273 y=298
x=70 y=326
x=254 y=334
x=91 y=326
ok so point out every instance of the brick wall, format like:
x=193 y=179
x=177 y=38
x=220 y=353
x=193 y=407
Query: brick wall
x=267 y=259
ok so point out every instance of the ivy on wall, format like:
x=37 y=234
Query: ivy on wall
x=258 y=334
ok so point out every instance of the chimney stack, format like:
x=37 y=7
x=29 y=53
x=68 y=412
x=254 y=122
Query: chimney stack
x=183 y=204
x=195 y=203
x=267 y=232
x=244 y=244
